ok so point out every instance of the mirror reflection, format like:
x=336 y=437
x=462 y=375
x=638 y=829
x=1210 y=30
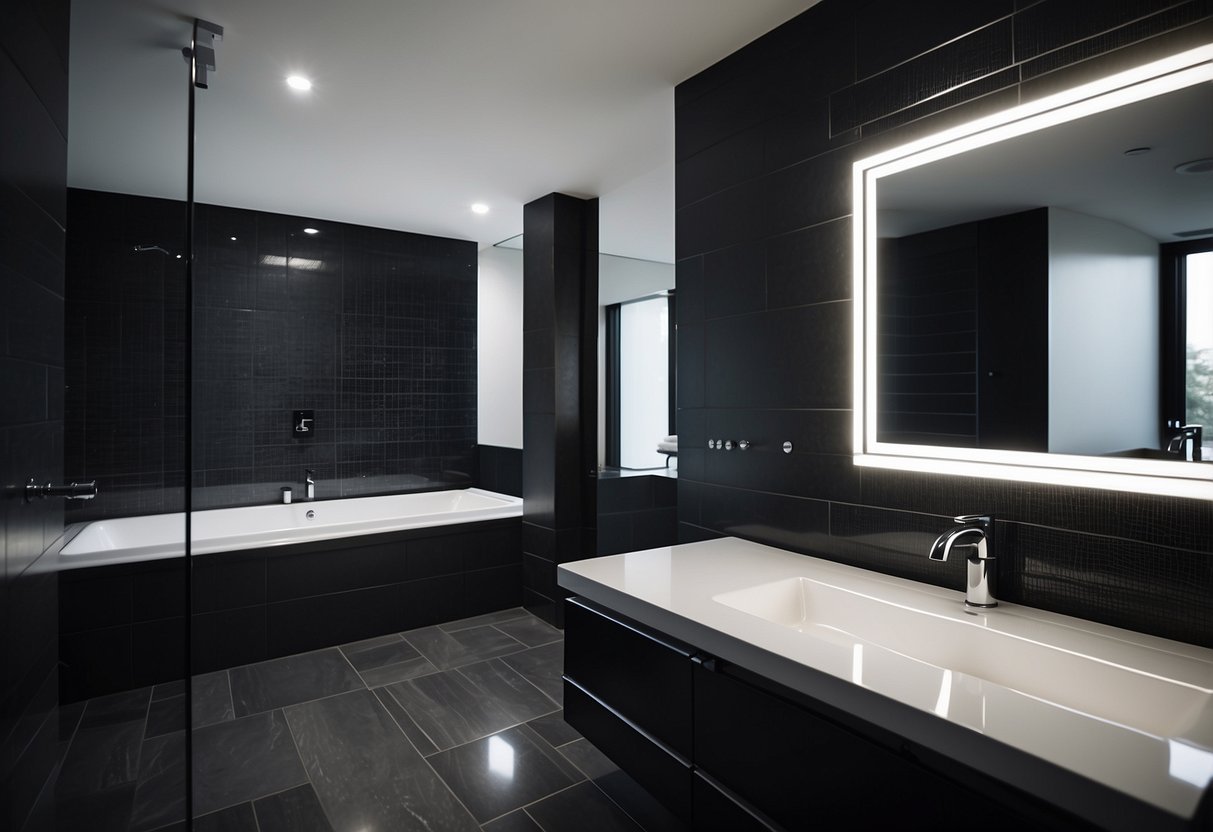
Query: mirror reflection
x=1051 y=292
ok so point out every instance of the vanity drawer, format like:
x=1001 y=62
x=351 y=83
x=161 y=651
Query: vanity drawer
x=715 y=811
x=643 y=677
x=661 y=772
x=808 y=771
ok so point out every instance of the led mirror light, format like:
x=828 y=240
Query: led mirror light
x=298 y=82
x=1143 y=476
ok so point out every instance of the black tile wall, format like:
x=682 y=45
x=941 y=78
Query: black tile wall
x=33 y=184
x=764 y=285
x=500 y=469
x=374 y=330
x=636 y=513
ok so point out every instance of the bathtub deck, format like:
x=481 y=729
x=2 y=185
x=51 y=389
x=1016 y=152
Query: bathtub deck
x=456 y=726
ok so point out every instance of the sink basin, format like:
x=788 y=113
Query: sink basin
x=1131 y=684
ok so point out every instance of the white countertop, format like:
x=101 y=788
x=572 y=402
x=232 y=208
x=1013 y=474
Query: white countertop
x=1119 y=736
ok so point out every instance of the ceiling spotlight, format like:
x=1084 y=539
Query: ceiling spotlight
x=233 y=239
x=1195 y=166
x=479 y=208
x=311 y=231
x=298 y=82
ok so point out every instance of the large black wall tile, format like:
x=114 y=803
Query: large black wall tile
x=892 y=73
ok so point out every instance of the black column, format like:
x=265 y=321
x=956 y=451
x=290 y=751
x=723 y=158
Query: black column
x=559 y=399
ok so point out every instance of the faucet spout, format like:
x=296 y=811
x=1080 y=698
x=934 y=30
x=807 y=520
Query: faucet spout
x=310 y=483
x=973 y=533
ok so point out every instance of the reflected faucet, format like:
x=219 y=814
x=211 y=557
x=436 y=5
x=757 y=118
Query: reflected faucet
x=308 y=476
x=1187 y=432
x=981 y=581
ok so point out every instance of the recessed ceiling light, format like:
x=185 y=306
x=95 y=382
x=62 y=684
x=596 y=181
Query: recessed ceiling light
x=311 y=231
x=1137 y=151
x=1195 y=166
x=233 y=239
x=479 y=208
x=298 y=82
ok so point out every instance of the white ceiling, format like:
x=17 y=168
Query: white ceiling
x=420 y=107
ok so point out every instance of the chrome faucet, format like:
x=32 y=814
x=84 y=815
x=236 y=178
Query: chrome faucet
x=1187 y=432
x=310 y=482
x=982 y=577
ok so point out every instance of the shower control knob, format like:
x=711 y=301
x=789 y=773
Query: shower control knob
x=787 y=447
x=728 y=444
x=744 y=444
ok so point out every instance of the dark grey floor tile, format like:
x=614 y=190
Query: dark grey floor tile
x=242 y=760
x=487 y=618
x=588 y=759
x=476 y=644
x=542 y=667
x=582 y=808
x=554 y=729
x=377 y=652
x=416 y=736
x=109 y=809
x=377 y=677
x=531 y=631
x=504 y=772
x=212 y=693
x=366 y=774
x=637 y=803
x=294 y=810
x=160 y=795
x=166 y=690
x=127 y=706
x=521 y=699
x=516 y=821
x=288 y=681
x=450 y=709
x=165 y=716
x=101 y=758
x=237 y=818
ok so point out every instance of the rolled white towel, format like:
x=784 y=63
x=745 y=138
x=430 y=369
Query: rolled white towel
x=668 y=445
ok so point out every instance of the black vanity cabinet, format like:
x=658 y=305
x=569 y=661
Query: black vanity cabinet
x=628 y=691
x=726 y=749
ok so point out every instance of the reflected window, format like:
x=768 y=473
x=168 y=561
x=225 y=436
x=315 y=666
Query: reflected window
x=1188 y=351
x=640 y=375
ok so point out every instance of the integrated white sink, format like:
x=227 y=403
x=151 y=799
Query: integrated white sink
x=1153 y=691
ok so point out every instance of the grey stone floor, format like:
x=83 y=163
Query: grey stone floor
x=453 y=727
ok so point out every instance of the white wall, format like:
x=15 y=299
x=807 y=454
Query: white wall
x=1103 y=288
x=499 y=348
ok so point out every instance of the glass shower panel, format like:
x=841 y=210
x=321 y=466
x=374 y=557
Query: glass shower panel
x=123 y=605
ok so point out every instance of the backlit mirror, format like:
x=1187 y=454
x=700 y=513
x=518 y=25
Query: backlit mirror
x=1034 y=290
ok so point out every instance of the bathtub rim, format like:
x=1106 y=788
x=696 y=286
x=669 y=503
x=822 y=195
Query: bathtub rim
x=511 y=509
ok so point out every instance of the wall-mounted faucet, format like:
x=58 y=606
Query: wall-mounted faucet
x=982 y=577
x=308 y=479
x=1178 y=441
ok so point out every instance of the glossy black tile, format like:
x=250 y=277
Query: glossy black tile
x=286 y=681
x=581 y=808
x=542 y=666
x=810 y=265
x=554 y=729
x=464 y=646
x=450 y=709
x=503 y=772
x=1051 y=25
x=294 y=810
x=244 y=759
x=516 y=821
x=238 y=818
x=518 y=697
x=364 y=770
x=895 y=33
x=318 y=621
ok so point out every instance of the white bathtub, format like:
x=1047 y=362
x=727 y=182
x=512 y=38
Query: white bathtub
x=157 y=536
